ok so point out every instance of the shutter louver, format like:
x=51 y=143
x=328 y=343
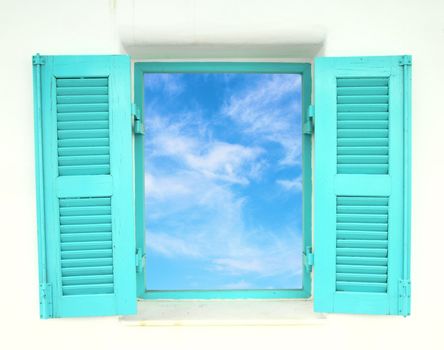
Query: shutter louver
x=361 y=213
x=361 y=244
x=83 y=126
x=86 y=246
x=362 y=124
x=87 y=243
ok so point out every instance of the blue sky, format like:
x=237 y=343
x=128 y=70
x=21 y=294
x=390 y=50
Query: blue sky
x=223 y=182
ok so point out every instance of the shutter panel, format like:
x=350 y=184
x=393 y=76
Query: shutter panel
x=84 y=173
x=362 y=185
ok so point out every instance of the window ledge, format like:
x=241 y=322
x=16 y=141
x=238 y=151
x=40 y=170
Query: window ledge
x=224 y=312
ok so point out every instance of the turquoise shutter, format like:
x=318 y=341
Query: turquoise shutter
x=362 y=185
x=85 y=207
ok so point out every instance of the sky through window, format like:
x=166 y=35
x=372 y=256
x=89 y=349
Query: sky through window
x=223 y=181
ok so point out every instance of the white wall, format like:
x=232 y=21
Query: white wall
x=352 y=28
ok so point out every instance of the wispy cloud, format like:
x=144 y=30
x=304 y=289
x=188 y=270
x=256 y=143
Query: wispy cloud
x=291 y=185
x=234 y=163
x=169 y=84
x=170 y=246
x=270 y=110
x=242 y=284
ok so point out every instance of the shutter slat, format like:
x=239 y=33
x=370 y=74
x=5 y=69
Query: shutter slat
x=354 y=260
x=350 y=150
x=342 y=116
x=363 y=168
x=361 y=252
x=92 y=262
x=358 y=277
x=93 y=245
x=363 y=124
x=363 y=99
x=93 y=202
x=89 y=142
x=357 y=90
x=353 y=234
x=361 y=243
x=85 y=116
x=88 y=289
x=363 y=218
x=82 y=99
x=362 y=82
x=82 y=125
x=367 y=133
x=82 y=82
x=363 y=141
x=96 y=227
x=83 y=151
x=364 y=269
x=69 y=91
x=71 y=170
x=376 y=107
x=359 y=226
x=77 y=108
x=85 y=237
x=87 y=271
x=87 y=254
x=361 y=287
x=86 y=210
x=82 y=280
x=362 y=159
x=81 y=134
x=84 y=219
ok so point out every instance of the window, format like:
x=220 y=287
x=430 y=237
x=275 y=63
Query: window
x=223 y=184
x=91 y=265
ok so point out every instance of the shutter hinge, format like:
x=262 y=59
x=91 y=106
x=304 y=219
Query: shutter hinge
x=138 y=125
x=46 y=309
x=309 y=123
x=38 y=60
x=404 y=290
x=405 y=61
x=140 y=260
x=308 y=258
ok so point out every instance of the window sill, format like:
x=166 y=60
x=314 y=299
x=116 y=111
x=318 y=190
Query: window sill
x=224 y=313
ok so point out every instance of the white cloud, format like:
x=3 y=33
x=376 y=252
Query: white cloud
x=242 y=284
x=170 y=246
x=169 y=83
x=233 y=163
x=205 y=220
x=268 y=111
x=291 y=185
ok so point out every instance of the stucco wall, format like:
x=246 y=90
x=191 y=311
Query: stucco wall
x=189 y=28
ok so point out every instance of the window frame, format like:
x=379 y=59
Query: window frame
x=304 y=69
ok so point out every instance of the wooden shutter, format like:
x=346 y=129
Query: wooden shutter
x=85 y=206
x=362 y=185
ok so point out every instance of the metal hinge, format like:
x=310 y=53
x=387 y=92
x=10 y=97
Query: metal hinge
x=138 y=125
x=46 y=309
x=405 y=61
x=308 y=258
x=309 y=124
x=38 y=60
x=140 y=260
x=404 y=290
